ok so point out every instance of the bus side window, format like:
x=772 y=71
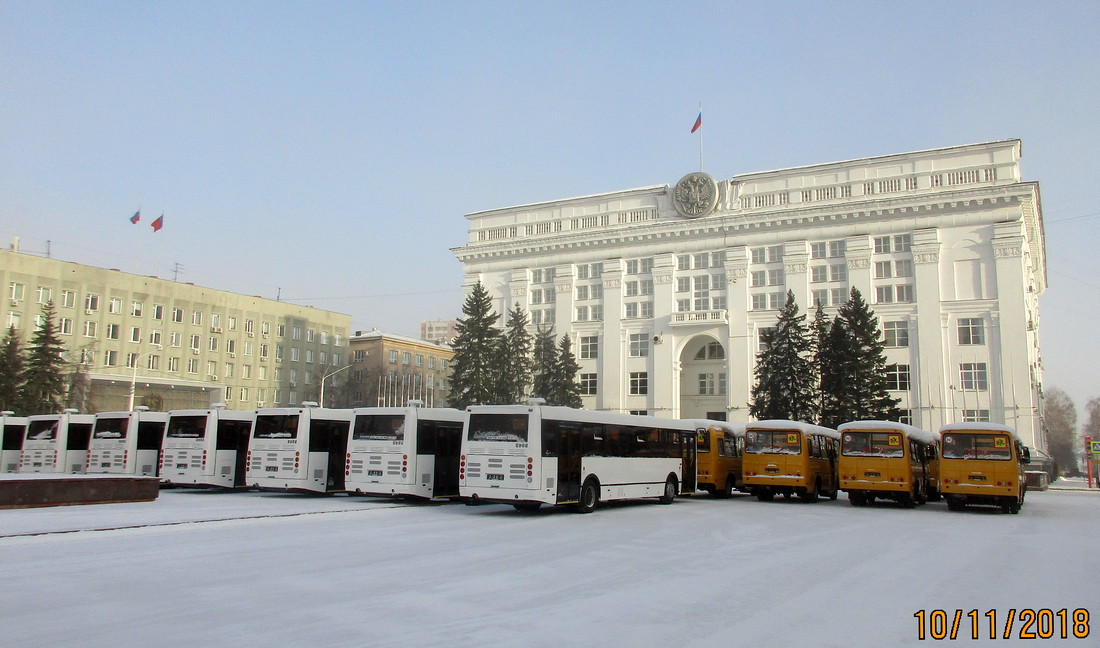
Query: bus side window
x=550 y=438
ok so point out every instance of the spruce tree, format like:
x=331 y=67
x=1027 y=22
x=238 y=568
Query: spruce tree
x=44 y=372
x=544 y=360
x=80 y=388
x=784 y=386
x=11 y=372
x=566 y=389
x=473 y=371
x=514 y=358
x=819 y=340
x=857 y=389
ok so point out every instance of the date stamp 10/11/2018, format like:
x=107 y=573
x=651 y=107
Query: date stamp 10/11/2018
x=1011 y=624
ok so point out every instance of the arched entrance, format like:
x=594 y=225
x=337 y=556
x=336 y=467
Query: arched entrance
x=703 y=379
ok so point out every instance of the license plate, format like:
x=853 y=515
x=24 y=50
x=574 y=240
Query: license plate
x=494 y=477
x=181 y=466
x=977 y=478
x=272 y=469
x=871 y=474
x=374 y=473
x=105 y=465
x=771 y=470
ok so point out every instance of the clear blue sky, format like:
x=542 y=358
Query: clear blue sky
x=328 y=151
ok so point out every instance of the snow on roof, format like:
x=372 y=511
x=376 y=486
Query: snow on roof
x=923 y=436
x=979 y=427
x=736 y=429
x=794 y=425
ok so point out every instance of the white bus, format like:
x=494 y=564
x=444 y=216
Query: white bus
x=299 y=448
x=126 y=443
x=56 y=443
x=529 y=455
x=405 y=451
x=206 y=447
x=13 y=429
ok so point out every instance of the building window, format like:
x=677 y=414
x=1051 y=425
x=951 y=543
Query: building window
x=91 y=303
x=177 y=315
x=897 y=378
x=974 y=376
x=113 y=331
x=896 y=334
x=819 y=250
x=589 y=347
x=971 y=331
x=68 y=298
x=91 y=329
x=196 y=318
x=711 y=351
x=66 y=326
x=136 y=308
x=976 y=416
x=406 y=358
x=110 y=359
x=639 y=383
x=588 y=384
x=884 y=269
x=712 y=384
x=639 y=345
x=115 y=306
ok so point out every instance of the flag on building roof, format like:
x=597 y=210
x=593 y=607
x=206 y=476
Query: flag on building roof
x=158 y=223
x=136 y=217
x=698 y=123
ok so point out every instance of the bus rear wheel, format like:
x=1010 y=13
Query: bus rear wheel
x=810 y=494
x=670 y=491
x=590 y=496
x=1011 y=506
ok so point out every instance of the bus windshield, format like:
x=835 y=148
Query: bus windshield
x=997 y=447
x=110 y=428
x=498 y=427
x=276 y=426
x=187 y=427
x=872 y=444
x=773 y=442
x=379 y=427
x=42 y=430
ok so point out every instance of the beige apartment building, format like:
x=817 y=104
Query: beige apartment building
x=171 y=345
x=389 y=370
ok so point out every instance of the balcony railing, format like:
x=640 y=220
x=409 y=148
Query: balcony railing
x=699 y=317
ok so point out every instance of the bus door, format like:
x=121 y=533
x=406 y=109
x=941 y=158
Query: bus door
x=150 y=438
x=331 y=437
x=689 y=448
x=234 y=435
x=448 y=448
x=570 y=440
x=76 y=447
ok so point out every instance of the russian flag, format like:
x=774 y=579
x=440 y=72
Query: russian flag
x=136 y=217
x=698 y=123
x=158 y=223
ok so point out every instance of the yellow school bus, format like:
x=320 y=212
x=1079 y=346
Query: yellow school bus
x=790 y=458
x=887 y=460
x=982 y=463
x=721 y=446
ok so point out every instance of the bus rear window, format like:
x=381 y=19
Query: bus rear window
x=110 y=428
x=379 y=427
x=42 y=430
x=996 y=447
x=872 y=444
x=509 y=428
x=187 y=427
x=276 y=426
x=773 y=442
x=704 y=441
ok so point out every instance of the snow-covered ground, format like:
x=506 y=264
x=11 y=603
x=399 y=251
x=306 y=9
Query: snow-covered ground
x=201 y=568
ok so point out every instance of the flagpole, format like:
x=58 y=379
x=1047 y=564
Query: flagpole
x=700 y=138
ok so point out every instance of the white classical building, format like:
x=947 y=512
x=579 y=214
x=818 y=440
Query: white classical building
x=665 y=289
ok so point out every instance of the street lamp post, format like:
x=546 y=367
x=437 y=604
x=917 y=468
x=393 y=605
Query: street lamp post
x=133 y=377
x=326 y=377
